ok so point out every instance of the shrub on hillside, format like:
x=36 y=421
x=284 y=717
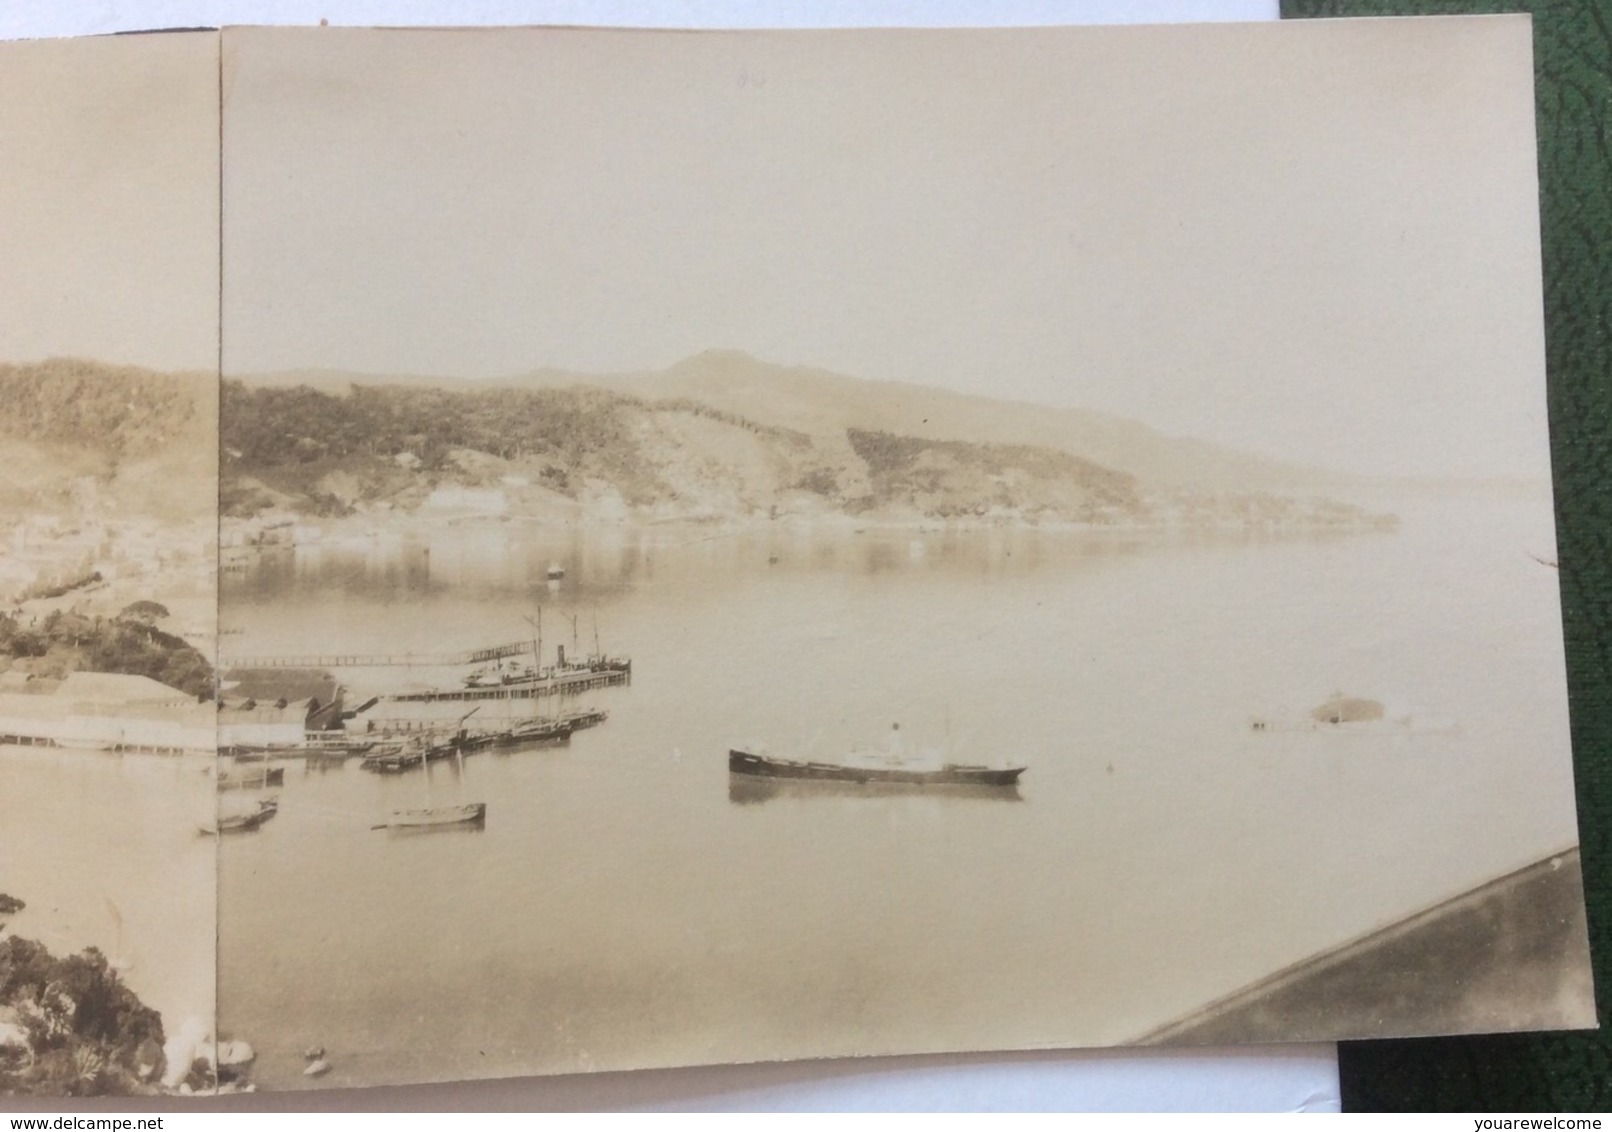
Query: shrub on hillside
x=87 y=1033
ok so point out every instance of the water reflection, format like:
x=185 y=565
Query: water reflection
x=600 y=565
x=411 y=831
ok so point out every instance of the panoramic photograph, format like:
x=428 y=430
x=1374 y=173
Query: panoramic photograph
x=536 y=551
x=740 y=546
x=108 y=565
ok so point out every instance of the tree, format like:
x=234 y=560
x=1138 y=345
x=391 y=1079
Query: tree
x=149 y=612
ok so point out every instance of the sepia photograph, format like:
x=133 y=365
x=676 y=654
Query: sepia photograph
x=108 y=564
x=744 y=546
x=535 y=551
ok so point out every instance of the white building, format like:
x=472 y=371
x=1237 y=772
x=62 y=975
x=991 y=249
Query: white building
x=259 y=723
x=105 y=711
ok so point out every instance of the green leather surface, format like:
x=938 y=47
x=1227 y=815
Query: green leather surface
x=1573 y=65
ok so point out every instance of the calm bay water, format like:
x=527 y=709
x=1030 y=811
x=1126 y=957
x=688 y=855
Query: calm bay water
x=624 y=906
x=106 y=852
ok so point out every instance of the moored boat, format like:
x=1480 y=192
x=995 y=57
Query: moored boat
x=860 y=769
x=250 y=778
x=498 y=676
x=428 y=747
x=588 y=717
x=540 y=730
x=396 y=758
x=468 y=813
x=242 y=819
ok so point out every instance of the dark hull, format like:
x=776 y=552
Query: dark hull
x=400 y=761
x=952 y=774
x=546 y=731
x=580 y=720
x=242 y=823
x=755 y=789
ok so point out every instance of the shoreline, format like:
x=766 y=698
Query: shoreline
x=286 y=531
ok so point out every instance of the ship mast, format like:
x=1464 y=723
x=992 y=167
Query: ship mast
x=537 y=642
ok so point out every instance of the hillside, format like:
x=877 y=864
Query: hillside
x=822 y=404
x=144 y=440
x=545 y=450
x=62 y=643
x=583 y=452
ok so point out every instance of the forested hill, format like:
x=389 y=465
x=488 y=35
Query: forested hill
x=581 y=452
x=277 y=431
x=593 y=449
x=146 y=438
x=751 y=442
x=118 y=409
x=822 y=403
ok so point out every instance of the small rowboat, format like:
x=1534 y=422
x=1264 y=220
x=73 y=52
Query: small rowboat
x=239 y=821
x=251 y=778
x=470 y=813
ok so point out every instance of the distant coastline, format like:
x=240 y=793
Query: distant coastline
x=242 y=538
x=726 y=438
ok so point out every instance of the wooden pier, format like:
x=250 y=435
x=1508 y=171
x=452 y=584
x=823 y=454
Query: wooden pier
x=382 y=660
x=114 y=749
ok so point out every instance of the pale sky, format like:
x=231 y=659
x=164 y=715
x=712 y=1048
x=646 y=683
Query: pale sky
x=109 y=200
x=1316 y=241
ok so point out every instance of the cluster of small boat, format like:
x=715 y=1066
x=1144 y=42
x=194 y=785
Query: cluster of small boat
x=398 y=755
x=243 y=818
x=386 y=755
x=332 y=745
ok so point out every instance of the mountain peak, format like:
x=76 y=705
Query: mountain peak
x=724 y=357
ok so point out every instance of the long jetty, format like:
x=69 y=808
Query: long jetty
x=382 y=660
